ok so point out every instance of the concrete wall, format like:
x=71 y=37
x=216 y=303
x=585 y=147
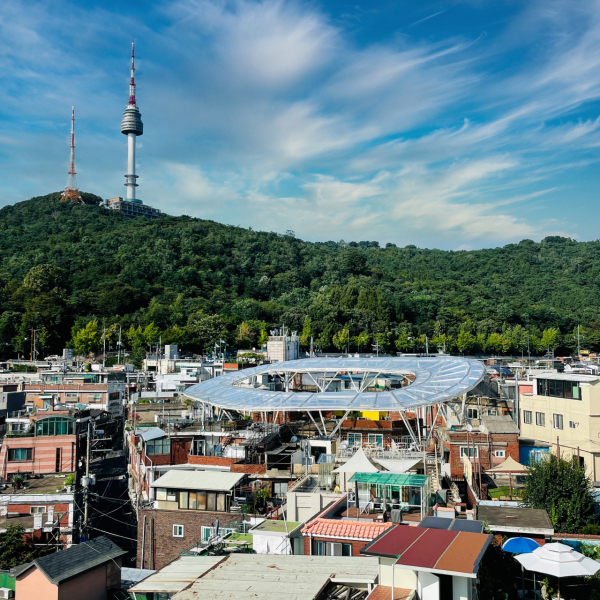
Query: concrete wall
x=302 y=506
x=403 y=578
x=461 y=588
x=271 y=544
x=428 y=586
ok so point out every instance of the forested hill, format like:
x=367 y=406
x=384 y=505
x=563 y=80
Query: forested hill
x=70 y=270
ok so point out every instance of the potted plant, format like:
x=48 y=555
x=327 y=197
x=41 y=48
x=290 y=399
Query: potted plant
x=69 y=480
x=17 y=482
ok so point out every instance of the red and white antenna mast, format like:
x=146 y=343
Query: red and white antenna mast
x=71 y=193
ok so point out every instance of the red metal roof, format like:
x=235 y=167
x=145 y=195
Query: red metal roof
x=428 y=549
x=345 y=529
x=395 y=541
x=431 y=549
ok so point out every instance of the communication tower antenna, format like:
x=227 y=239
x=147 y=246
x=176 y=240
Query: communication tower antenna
x=71 y=193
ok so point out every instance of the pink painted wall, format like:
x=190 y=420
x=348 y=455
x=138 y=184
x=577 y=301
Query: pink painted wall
x=44 y=454
x=33 y=585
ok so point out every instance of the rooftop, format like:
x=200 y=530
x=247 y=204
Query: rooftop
x=177 y=575
x=502 y=518
x=432 y=550
x=345 y=529
x=50 y=484
x=199 y=480
x=499 y=424
x=278 y=577
x=581 y=377
x=270 y=526
x=78 y=559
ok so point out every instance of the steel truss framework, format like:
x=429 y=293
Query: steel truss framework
x=436 y=380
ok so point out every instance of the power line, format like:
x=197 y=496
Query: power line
x=113 y=534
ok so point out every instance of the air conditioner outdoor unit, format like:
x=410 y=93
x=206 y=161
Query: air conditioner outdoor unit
x=7 y=593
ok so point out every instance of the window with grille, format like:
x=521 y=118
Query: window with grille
x=527 y=417
x=558 y=421
x=540 y=419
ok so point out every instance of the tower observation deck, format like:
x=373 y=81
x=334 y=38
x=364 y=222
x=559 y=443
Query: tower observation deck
x=131 y=126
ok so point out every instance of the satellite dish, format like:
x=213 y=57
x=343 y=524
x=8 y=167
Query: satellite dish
x=469 y=427
x=294 y=439
x=482 y=428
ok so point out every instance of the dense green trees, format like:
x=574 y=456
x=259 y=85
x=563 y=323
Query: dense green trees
x=194 y=282
x=562 y=489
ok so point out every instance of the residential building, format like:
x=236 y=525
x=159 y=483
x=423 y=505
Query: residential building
x=332 y=534
x=11 y=401
x=44 y=506
x=50 y=445
x=277 y=537
x=188 y=505
x=560 y=412
x=486 y=446
x=263 y=577
x=99 y=390
x=86 y=571
x=435 y=563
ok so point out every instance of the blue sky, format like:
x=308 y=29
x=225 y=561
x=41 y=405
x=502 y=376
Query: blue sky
x=453 y=125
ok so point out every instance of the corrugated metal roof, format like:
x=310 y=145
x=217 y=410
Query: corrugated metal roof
x=274 y=577
x=199 y=480
x=389 y=479
x=436 y=379
x=177 y=575
x=153 y=433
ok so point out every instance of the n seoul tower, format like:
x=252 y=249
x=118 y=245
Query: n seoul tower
x=131 y=126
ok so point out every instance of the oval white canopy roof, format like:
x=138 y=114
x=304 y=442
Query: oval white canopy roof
x=437 y=379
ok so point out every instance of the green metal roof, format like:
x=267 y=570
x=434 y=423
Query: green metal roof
x=383 y=478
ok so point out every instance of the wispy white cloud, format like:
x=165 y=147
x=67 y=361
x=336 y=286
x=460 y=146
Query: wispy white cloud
x=268 y=112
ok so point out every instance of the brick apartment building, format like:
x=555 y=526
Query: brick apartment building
x=492 y=443
x=184 y=513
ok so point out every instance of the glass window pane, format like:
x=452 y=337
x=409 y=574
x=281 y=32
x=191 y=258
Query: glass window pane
x=221 y=502
x=541 y=384
x=201 y=500
x=193 y=501
x=183 y=500
x=211 y=501
x=161 y=494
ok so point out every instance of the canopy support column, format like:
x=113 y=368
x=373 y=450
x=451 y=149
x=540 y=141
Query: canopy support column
x=339 y=424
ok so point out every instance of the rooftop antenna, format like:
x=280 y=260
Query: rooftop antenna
x=71 y=193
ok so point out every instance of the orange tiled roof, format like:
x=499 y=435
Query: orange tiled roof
x=346 y=529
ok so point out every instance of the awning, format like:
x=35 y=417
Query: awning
x=510 y=465
x=389 y=479
x=359 y=463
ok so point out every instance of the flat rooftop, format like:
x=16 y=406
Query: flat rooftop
x=271 y=526
x=502 y=518
x=275 y=577
x=49 y=484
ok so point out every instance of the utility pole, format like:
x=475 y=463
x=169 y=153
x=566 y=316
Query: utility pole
x=87 y=479
x=119 y=350
x=104 y=348
x=578 y=344
x=310 y=353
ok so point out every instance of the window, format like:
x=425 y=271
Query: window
x=159 y=446
x=492 y=412
x=540 y=419
x=572 y=424
x=558 y=421
x=375 y=439
x=36 y=509
x=472 y=413
x=500 y=453
x=468 y=451
x=177 y=530
x=280 y=489
x=206 y=532
x=558 y=388
x=527 y=417
x=54 y=426
x=355 y=439
x=15 y=454
x=72 y=395
x=331 y=549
